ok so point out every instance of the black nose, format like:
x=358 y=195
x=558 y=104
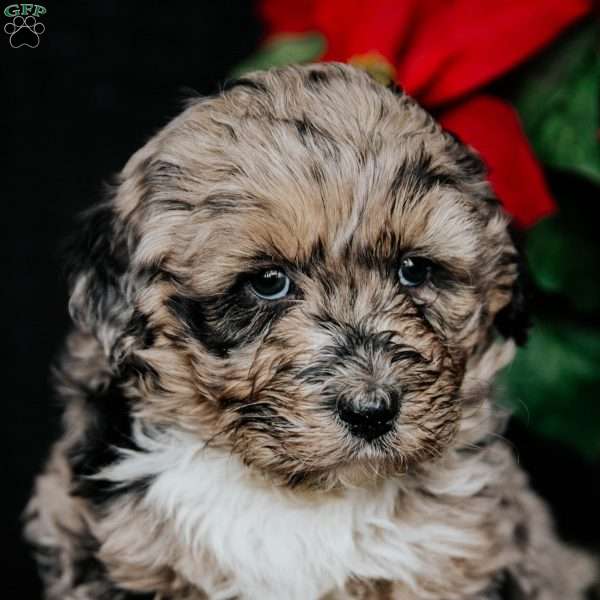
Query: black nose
x=371 y=414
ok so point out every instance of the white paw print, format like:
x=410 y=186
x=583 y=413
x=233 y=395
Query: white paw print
x=24 y=31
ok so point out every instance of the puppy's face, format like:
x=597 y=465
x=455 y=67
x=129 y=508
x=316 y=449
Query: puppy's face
x=302 y=270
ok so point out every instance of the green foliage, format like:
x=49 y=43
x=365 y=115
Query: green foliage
x=559 y=103
x=564 y=256
x=553 y=384
x=284 y=50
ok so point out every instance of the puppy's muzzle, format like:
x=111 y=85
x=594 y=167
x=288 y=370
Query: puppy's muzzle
x=370 y=414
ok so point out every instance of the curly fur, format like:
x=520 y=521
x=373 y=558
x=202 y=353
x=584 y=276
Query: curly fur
x=202 y=455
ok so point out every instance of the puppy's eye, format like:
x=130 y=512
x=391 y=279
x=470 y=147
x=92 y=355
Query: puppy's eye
x=270 y=284
x=414 y=271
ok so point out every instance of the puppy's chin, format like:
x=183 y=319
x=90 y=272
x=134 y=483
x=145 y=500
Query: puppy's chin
x=363 y=471
x=353 y=474
x=366 y=472
x=354 y=464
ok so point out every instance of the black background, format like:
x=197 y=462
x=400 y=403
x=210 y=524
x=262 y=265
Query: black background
x=105 y=76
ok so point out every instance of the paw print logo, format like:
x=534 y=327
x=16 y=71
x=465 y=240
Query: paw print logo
x=24 y=31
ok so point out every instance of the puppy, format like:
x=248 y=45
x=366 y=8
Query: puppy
x=287 y=319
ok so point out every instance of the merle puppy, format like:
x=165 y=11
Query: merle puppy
x=286 y=322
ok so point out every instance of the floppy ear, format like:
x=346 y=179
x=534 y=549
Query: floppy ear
x=514 y=320
x=97 y=270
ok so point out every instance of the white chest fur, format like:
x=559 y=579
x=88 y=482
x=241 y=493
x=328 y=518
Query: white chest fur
x=274 y=543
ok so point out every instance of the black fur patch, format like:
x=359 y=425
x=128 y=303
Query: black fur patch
x=140 y=328
x=416 y=176
x=245 y=82
x=382 y=255
x=469 y=163
x=162 y=174
x=95 y=241
x=91 y=573
x=507 y=588
x=317 y=76
x=355 y=340
x=310 y=134
x=514 y=320
x=223 y=323
x=109 y=426
x=593 y=593
x=521 y=535
x=87 y=569
x=396 y=89
x=222 y=204
x=100 y=250
x=349 y=344
x=191 y=313
x=97 y=260
x=251 y=411
x=48 y=562
x=298 y=478
x=304 y=127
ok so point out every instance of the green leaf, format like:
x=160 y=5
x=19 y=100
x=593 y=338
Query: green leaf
x=564 y=256
x=559 y=104
x=283 y=50
x=553 y=385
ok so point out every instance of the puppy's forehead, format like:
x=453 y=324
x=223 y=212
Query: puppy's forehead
x=290 y=160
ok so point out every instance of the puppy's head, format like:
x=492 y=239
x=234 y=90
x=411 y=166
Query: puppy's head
x=300 y=270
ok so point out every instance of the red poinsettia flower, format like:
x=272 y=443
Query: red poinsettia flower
x=441 y=52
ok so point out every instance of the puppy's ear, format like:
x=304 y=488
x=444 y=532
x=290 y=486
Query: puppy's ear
x=98 y=258
x=514 y=320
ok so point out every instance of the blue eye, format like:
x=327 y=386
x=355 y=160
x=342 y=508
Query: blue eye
x=414 y=271
x=271 y=284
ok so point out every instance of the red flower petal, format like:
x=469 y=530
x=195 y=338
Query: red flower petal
x=288 y=17
x=350 y=26
x=384 y=27
x=464 y=44
x=442 y=49
x=338 y=21
x=492 y=127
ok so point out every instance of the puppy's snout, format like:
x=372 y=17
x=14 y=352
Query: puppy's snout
x=370 y=414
